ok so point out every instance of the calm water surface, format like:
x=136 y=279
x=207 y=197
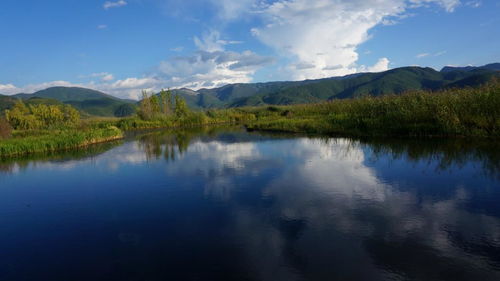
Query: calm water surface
x=231 y=205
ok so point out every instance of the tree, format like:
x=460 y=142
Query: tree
x=164 y=102
x=19 y=117
x=181 y=109
x=145 y=110
x=155 y=105
x=71 y=115
x=169 y=101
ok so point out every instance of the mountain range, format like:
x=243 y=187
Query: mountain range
x=88 y=102
x=394 y=81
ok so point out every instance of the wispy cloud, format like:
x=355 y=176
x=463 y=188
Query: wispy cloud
x=424 y=55
x=177 y=49
x=104 y=76
x=211 y=65
x=102 y=26
x=474 y=4
x=109 y=4
x=440 y=53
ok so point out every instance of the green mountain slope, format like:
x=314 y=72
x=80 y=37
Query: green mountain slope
x=491 y=66
x=393 y=81
x=65 y=94
x=89 y=102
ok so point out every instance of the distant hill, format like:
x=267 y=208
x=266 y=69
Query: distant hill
x=394 y=81
x=89 y=102
x=492 y=66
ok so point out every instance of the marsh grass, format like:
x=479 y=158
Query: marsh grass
x=454 y=112
x=24 y=143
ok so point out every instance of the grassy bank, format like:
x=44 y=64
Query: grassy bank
x=457 y=112
x=470 y=112
x=23 y=143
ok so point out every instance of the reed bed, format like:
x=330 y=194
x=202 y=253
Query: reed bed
x=50 y=141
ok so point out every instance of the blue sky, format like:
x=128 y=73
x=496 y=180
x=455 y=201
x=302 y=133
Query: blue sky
x=124 y=46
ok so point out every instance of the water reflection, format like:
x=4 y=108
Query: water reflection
x=11 y=165
x=229 y=205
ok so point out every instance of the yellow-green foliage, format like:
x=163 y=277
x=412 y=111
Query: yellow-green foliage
x=34 y=117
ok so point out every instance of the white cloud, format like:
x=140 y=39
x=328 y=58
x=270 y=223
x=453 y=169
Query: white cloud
x=211 y=69
x=102 y=26
x=8 y=89
x=381 y=65
x=130 y=87
x=231 y=9
x=474 y=4
x=211 y=65
x=133 y=83
x=327 y=33
x=448 y=5
x=109 y=4
x=211 y=42
x=108 y=77
x=104 y=76
x=424 y=55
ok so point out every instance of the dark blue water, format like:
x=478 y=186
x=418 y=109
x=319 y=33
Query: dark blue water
x=230 y=205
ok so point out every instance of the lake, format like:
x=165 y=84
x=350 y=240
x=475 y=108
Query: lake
x=226 y=204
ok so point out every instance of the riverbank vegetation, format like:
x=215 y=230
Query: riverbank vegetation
x=47 y=128
x=466 y=112
x=55 y=140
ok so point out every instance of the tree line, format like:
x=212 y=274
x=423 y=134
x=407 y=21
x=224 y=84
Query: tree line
x=165 y=104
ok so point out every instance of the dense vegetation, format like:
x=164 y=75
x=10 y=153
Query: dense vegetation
x=46 y=128
x=469 y=112
x=56 y=140
x=453 y=112
x=41 y=116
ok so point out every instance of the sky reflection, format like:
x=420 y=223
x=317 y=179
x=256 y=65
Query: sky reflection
x=256 y=207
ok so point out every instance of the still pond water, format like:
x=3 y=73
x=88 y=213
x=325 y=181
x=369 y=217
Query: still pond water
x=224 y=204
